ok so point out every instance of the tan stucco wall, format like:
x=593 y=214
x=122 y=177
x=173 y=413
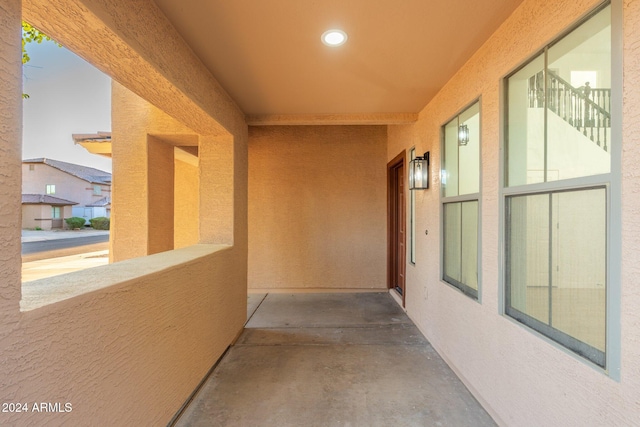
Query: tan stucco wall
x=40 y=216
x=521 y=379
x=144 y=138
x=133 y=218
x=160 y=193
x=317 y=207
x=29 y=215
x=131 y=351
x=10 y=161
x=186 y=204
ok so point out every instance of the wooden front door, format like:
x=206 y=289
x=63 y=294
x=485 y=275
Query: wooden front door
x=396 y=225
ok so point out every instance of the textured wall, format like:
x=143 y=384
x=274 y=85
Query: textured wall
x=186 y=204
x=521 y=378
x=317 y=207
x=130 y=351
x=10 y=159
x=32 y=216
x=160 y=191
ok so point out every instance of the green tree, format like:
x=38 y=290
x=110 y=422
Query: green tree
x=31 y=34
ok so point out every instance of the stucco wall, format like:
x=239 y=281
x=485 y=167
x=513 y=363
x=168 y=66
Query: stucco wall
x=160 y=194
x=186 y=204
x=521 y=378
x=317 y=207
x=10 y=161
x=131 y=352
x=40 y=216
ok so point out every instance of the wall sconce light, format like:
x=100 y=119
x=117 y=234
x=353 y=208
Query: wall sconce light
x=419 y=173
x=463 y=135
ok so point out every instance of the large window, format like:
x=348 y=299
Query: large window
x=460 y=200
x=557 y=190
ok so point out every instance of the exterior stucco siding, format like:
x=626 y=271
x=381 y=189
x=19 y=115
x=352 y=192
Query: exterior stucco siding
x=10 y=159
x=317 y=207
x=521 y=378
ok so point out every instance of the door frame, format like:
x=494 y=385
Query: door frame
x=392 y=188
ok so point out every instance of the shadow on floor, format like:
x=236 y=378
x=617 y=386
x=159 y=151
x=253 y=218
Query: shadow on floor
x=332 y=360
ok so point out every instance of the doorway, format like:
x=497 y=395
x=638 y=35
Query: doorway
x=396 y=225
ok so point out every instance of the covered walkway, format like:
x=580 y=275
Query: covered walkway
x=350 y=359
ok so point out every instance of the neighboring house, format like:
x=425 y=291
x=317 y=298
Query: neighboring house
x=87 y=189
x=45 y=212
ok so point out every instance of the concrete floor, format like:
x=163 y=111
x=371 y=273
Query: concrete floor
x=332 y=360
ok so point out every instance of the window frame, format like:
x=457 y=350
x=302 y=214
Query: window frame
x=474 y=294
x=50 y=189
x=611 y=182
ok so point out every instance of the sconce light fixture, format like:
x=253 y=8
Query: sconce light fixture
x=463 y=135
x=419 y=173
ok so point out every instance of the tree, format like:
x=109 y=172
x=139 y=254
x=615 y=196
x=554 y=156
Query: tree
x=31 y=34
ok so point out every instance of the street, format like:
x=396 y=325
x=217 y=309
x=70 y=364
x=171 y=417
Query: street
x=44 y=249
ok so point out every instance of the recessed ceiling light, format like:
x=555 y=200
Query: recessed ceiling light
x=334 y=37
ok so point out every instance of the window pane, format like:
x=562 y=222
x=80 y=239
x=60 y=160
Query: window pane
x=571 y=137
x=452 y=241
x=450 y=159
x=579 y=113
x=469 y=154
x=461 y=161
x=525 y=134
x=579 y=219
x=528 y=259
x=469 y=260
x=546 y=280
x=461 y=245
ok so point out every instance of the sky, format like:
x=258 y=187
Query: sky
x=67 y=95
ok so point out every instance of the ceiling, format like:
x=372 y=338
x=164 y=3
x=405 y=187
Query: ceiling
x=268 y=55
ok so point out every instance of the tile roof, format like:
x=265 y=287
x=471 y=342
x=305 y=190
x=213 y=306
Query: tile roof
x=105 y=201
x=42 y=199
x=91 y=137
x=92 y=175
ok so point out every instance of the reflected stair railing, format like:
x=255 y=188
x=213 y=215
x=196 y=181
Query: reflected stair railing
x=585 y=108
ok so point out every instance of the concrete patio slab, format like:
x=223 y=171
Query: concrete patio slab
x=318 y=310
x=253 y=302
x=374 y=369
